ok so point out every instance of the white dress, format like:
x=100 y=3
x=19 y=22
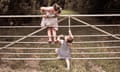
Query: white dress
x=50 y=21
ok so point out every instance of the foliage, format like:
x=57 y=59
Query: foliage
x=3 y=6
x=82 y=6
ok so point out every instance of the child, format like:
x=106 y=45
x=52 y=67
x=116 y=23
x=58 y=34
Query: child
x=50 y=20
x=64 y=50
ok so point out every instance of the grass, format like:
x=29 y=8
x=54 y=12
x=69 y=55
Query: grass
x=68 y=12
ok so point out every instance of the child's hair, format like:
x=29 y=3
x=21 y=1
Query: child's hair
x=70 y=40
x=57 y=8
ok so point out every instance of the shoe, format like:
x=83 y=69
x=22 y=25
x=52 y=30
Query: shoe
x=56 y=41
x=49 y=41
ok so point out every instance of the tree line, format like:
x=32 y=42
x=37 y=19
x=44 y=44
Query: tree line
x=31 y=7
x=81 y=6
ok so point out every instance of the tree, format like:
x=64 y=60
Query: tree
x=4 y=6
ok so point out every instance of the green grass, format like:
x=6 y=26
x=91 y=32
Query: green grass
x=68 y=12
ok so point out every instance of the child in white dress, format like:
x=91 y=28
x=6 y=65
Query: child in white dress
x=50 y=20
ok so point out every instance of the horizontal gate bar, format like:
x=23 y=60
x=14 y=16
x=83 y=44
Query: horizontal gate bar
x=59 y=26
x=90 y=53
x=80 y=15
x=98 y=58
x=102 y=35
x=107 y=41
x=84 y=48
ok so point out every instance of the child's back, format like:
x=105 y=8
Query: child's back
x=64 y=50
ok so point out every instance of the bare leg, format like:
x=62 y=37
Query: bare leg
x=56 y=51
x=49 y=32
x=68 y=63
x=54 y=34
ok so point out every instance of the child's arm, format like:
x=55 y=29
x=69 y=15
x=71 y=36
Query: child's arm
x=59 y=38
x=70 y=34
x=43 y=11
x=54 y=13
x=57 y=13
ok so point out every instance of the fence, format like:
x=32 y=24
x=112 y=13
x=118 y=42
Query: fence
x=8 y=44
